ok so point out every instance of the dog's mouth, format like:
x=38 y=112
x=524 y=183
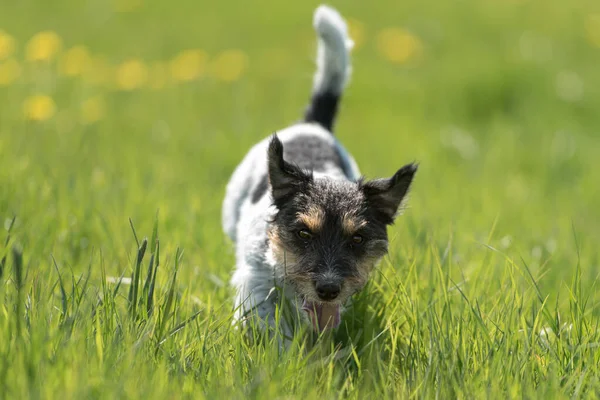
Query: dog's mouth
x=323 y=316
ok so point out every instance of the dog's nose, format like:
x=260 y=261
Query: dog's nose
x=327 y=291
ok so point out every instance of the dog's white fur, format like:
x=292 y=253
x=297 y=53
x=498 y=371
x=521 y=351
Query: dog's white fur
x=333 y=52
x=257 y=273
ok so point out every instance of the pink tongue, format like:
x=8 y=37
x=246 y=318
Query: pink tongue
x=323 y=315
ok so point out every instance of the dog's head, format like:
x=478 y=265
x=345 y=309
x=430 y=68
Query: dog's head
x=328 y=234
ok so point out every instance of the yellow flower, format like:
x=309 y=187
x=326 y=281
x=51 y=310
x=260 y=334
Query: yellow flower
x=92 y=110
x=43 y=46
x=188 y=65
x=398 y=45
x=592 y=29
x=39 y=107
x=7 y=45
x=131 y=75
x=10 y=70
x=229 y=65
x=76 y=61
x=159 y=75
x=356 y=30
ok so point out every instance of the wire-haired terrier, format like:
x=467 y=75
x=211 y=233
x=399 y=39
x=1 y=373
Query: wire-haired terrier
x=307 y=228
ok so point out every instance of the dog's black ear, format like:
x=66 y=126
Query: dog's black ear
x=286 y=179
x=386 y=195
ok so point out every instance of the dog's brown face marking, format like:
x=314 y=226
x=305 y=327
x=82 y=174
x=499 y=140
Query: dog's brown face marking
x=285 y=256
x=313 y=218
x=351 y=223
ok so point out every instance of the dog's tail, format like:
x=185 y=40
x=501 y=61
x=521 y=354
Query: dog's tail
x=333 y=66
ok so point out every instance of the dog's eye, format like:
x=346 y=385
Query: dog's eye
x=357 y=239
x=304 y=234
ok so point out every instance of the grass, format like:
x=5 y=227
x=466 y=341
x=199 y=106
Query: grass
x=114 y=268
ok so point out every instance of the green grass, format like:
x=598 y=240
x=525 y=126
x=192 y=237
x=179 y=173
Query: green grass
x=499 y=106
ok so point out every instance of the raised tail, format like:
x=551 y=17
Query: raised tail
x=333 y=66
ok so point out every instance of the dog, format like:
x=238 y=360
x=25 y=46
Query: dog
x=307 y=228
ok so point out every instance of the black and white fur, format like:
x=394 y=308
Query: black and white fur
x=301 y=176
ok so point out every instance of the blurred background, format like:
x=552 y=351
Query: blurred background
x=116 y=109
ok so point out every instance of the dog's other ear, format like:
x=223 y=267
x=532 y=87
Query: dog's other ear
x=286 y=179
x=386 y=195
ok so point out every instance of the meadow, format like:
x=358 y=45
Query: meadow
x=122 y=120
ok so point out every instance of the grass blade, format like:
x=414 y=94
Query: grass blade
x=63 y=293
x=154 y=233
x=147 y=294
x=148 y=277
x=134 y=233
x=150 y=298
x=181 y=325
x=135 y=281
x=18 y=272
x=167 y=308
x=3 y=260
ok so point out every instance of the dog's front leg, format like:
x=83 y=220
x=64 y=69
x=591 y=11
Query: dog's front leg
x=260 y=310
